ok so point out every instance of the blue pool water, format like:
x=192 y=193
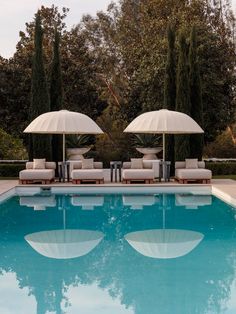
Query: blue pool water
x=117 y=254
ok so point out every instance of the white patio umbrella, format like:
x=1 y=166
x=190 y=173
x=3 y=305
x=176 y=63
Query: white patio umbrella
x=164 y=122
x=63 y=122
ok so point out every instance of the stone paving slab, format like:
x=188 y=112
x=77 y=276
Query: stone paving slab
x=6 y=185
x=225 y=189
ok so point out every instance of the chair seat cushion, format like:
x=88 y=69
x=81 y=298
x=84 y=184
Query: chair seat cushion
x=87 y=174
x=195 y=174
x=37 y=174
x=137 y=174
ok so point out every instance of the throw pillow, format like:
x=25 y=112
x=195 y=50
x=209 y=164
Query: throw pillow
x=191 y=163
x=87 y=164
x=39 y=163
x=136 y=163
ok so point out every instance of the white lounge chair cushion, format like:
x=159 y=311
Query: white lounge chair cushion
x=182 y=164
x=78 y=165
x=136 y=163
x=191 y=163
x=37 y=174
x=138 y=174
x=87 y=174
x=39 y=163
x=88 y=163
x=197 y=174
x=48 y=165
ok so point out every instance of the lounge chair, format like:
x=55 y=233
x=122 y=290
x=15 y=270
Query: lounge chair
x=44 y=175
x=197 y=173
x=92 y=174
x=130 y=174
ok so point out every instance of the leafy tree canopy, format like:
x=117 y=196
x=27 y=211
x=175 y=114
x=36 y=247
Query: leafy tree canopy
x=118 y=59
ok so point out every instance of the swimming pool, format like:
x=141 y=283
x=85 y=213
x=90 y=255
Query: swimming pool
x=117 y=253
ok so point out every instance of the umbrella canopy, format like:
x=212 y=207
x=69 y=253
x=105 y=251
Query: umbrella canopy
x=164 y=122
x=164 y=243
x=63 y=122
x=64 y=243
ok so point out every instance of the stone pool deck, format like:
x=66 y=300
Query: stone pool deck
x=222 y=188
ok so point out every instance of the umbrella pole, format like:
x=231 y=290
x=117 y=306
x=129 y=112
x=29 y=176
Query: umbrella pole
x=64 y=148
x=164 y=145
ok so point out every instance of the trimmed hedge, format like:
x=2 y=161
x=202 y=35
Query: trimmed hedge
x=217 y=168
x=11 y=170
x=221 y=168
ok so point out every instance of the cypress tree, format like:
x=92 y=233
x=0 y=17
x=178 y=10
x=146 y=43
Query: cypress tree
x=182 y=145
x=41 y=144
x=170 y=72
x=196 y=140
x=56 y=94
x=170 y=89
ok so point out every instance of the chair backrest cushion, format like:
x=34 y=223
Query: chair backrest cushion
x=78 y=165
x=136 y=163
x=126 y=165
x=182 y=165
x=87 y=163
x=48 y=165
x=146 y=165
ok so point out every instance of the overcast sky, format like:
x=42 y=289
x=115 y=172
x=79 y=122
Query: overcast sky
x=15 y=13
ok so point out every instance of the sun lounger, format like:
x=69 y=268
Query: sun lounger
x=142 y=174
x=199 y=174
x=79 y=175
x=31 y=175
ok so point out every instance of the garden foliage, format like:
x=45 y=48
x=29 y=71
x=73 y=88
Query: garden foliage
x=116 y=62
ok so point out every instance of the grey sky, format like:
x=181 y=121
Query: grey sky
x=15 y=13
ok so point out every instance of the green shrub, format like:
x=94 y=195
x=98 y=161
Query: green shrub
x=11 y=147
x=11 y=170
x=146 y=140
x=222 y=147
x=222 y=168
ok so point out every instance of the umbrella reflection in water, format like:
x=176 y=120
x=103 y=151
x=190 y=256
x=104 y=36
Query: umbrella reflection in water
x=164 y=243
x=64 y=243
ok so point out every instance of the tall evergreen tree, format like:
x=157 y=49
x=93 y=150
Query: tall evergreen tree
x=196 y=140
x=182 y=145
x=56 y=94
x=40 y=103
x=170 y=89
